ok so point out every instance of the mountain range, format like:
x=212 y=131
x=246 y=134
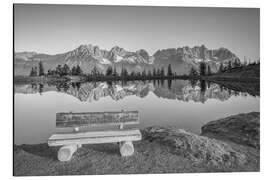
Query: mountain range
x=88 y=56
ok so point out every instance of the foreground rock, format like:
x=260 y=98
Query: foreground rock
x=241 y=128
x=194 y=147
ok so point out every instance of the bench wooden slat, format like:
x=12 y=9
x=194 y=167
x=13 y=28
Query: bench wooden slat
x=96 y=118
x=94 y=137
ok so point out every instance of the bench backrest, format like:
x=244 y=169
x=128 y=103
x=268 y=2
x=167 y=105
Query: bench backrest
x=96 y=118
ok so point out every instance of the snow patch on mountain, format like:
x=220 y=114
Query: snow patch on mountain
x=105 y=61
x=118 y=58
x=118 y=88
x=129 y=60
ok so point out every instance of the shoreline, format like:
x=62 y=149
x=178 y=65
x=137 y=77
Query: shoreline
x=161 y=150
x=28 y=79
x=65 y=79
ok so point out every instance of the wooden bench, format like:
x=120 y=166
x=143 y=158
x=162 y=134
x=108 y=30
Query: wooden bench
x=70 y=142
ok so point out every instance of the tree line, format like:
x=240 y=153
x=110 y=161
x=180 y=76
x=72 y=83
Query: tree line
x=204 y=70
x=60 y=70
x=37 y=71
x=111 y=71
x=64 y=70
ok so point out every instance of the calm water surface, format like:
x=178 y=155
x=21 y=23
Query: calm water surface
x=180 y=103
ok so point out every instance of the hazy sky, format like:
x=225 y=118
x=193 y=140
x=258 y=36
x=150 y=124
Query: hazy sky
x=56 y=29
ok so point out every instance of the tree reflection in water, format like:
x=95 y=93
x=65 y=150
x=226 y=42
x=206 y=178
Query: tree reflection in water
x=196 y=90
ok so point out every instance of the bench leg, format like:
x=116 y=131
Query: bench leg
x=65 y=153
x=126 y=148
x=76 y=129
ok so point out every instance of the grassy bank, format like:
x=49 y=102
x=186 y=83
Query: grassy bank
x=249 y=73
x=162 y=150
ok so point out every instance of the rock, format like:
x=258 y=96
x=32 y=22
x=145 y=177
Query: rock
x=194 y=147
x=241 y=128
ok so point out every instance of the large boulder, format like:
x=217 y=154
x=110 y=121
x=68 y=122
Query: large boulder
x=194 y=147
x=242 y=128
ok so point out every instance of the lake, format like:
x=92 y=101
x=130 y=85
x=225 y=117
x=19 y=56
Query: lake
x=180 y=103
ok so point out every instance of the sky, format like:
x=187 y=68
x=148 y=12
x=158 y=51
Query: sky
x=54 y=29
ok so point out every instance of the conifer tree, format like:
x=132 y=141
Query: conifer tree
x=209 y=72
x=169 y=72
x=114 y=72
x=79 y=70
x=154 y=72
x=41 y=69
x=109 y=71
x=33 y=72
x=221 y=68
x=202 y=69
x=193 y=72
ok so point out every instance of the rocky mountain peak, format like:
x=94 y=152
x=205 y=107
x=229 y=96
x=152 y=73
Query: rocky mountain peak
x=198 y=53
x=117 y=51
x=85 y=52
x=143 y=53
x=88 y=56
x=224 y=53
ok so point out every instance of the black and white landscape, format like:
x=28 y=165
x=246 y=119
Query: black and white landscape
x=185 y=80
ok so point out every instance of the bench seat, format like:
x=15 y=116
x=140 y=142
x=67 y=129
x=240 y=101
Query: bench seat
x=94 y=137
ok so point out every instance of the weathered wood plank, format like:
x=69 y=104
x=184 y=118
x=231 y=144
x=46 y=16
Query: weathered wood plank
x=94 y=134
x=93 y=137
x=96 y=118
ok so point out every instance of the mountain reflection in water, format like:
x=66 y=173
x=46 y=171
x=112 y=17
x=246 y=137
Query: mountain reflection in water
x=183 y=90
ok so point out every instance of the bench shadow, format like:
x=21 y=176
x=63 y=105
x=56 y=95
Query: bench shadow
x=42 y=150
x=110 y=148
